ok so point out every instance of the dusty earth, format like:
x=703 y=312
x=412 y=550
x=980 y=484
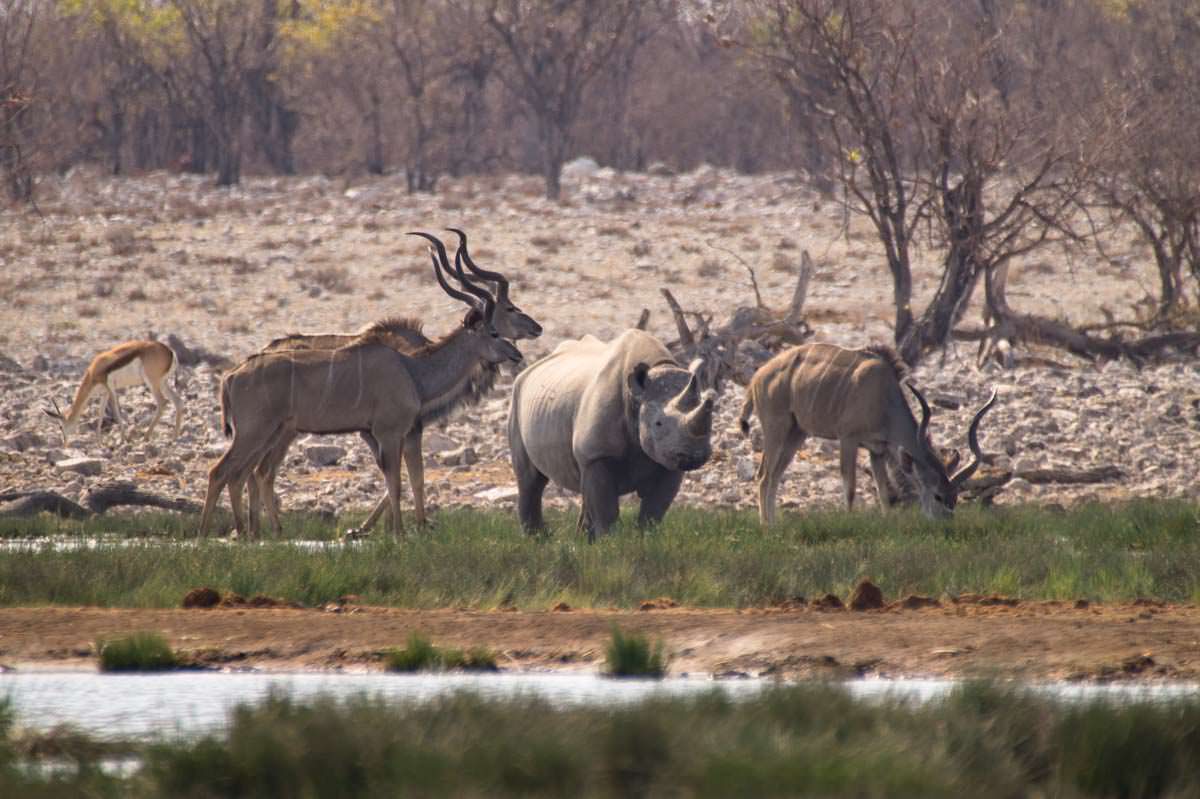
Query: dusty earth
x=967 y=637
x=226 y=271
x=106 y=260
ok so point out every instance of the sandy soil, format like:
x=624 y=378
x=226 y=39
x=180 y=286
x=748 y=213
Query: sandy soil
x=1038 y=640
x=228 y=270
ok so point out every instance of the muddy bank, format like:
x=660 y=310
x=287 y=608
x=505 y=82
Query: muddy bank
x=974 y=637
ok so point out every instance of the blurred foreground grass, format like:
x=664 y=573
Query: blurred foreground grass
x=811 y=740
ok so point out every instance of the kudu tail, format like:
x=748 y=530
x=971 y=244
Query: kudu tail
x=226 y=425
x=747 y=409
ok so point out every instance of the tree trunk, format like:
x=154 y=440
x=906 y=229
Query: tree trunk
x=554 y=146
x=375 y=161
x=963 y=208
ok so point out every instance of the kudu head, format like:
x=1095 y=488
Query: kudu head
x=478 y=323
x=674 y=415
x=937 y=488
x=511 y=321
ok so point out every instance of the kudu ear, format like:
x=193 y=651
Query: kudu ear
x=637 y=380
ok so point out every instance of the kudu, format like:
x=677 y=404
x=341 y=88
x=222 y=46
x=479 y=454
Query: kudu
x=366 y=386
x=854 y=397
x=406 y=336
x=127 y=364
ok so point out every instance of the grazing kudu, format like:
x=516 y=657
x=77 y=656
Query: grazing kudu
x=406 y=336
x=128 y=364
x=367 y=387
x=854 y=397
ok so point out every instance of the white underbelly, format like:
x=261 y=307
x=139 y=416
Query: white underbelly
x=131 y=374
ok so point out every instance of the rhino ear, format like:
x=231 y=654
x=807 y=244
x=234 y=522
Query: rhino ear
x=637 y=380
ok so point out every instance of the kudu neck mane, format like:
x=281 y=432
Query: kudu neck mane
x=892 y=358
x=448 y=372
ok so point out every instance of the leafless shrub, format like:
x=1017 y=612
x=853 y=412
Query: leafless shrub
x=614 y=230
x=641 y=249
x=551 y=244
x=87 y=311
x=785 y=244
x=122 y=239
x=710 y=267
x=781 y=263
x=332 y=278
x=690 y=249
x=136 y=294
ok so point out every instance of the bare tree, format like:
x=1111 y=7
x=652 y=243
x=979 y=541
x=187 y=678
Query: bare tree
x=226 y=50
x=1152 y=126
x=18 y=96
x=554 y=49
x=939 y=128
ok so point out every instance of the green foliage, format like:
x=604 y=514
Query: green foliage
x=141 y=651
x=632 y=656
x=805 y=740
x=421 y=655
x=697 y=557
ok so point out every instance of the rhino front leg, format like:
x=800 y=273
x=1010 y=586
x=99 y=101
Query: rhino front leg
x=600 y=499
x=657 y=496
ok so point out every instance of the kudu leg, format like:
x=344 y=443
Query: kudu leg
x=879 y=472
x=416 y=473
x=388 y=457
x=242 y=454
x=849 y=465
x=384 y=501
x=779 y=447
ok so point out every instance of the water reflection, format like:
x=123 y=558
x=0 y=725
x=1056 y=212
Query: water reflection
x=186 y=703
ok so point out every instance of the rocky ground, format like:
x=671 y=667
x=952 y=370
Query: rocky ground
x=225 y=271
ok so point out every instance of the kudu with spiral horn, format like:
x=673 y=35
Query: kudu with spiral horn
x=367 y=386
x=856 y=398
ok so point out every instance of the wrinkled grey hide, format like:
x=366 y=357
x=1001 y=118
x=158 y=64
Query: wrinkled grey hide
x=606 y=419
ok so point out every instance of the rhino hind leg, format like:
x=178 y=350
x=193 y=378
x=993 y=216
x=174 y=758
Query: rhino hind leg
x=657 y=495
x=530 y=485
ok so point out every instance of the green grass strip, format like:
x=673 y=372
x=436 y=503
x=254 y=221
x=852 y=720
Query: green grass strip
x=702 y=558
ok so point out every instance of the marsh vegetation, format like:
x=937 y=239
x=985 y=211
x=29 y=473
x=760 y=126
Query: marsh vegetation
x=700 y=558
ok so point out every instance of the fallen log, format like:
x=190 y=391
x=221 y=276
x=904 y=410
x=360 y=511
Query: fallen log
x=100 y=499
x=23 y=504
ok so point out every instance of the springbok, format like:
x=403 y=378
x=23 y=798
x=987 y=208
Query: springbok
x=406 y=336
x=367 y=386
x=854 y=397
x=127 y=364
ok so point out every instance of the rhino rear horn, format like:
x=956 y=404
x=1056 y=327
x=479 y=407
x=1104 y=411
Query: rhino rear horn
x=699 y=421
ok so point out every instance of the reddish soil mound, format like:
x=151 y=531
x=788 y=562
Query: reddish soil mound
x=866 y=596
x=662 y=603
x=201 y=598
x=829 y=602
x=916 y=602
x=561 y=607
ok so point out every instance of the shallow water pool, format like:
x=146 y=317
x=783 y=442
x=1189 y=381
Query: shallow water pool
x=187 y=703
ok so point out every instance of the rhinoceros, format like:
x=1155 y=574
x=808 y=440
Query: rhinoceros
x=606 y=419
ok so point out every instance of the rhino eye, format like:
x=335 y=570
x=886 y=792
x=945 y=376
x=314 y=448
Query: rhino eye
x=658 y=423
